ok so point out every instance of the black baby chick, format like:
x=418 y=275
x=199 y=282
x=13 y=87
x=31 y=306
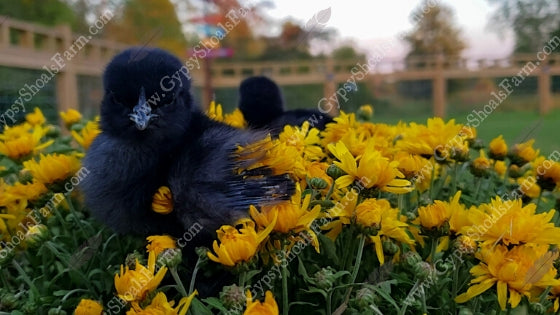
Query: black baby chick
x=153 y=135
x=262 y=105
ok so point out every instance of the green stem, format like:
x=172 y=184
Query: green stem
x=539 y=201
x=329 y=193
x=329 y=302
x=454 y=284
x=433 y=249
x=358 y=258
x=455 y=175
x=177 y=279
x=284 y=272
x=400 y=203
x=478 y=184
x=432 y=182
x=242 y=278
x=193 y=277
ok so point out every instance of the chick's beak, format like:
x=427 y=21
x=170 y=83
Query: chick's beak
x=142 y=113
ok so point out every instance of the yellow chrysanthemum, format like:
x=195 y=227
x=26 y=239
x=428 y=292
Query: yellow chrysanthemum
x=70 y=117
x=510 y=223
x=379 y=214
x=436 y=138
x=88 y=307
x=19 y=141
x=134 y=285
x=159 y=243
x=162 y=201
x=86 y=136
x=36 y=117
x=522 y=153
x=437 y=214
x=500 y=167
x=268 y=307
x=335 y=131
x=371 y=170
x=481 y=165
x=304 y=139
x=236 y=119
x=238 y=245
x=52 y=167
x=547 y=172
x=215 y=111
x=517 y=272
x=342 y=213
x=160 y=306
x=529 y=187
x=292 y=216
x=411 y=164
x=497 y=148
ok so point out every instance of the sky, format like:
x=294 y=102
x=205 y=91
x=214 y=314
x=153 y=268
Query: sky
x=371 y=23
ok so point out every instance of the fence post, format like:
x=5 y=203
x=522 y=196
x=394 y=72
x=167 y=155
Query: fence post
x=67 y=79
x=329 y=88
x=544 y=88
x=439 y=88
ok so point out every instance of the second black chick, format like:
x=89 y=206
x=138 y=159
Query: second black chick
x=262 y=105
x=153 y=135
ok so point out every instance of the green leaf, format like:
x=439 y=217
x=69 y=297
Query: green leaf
x=216 y=303
x=328 y=248
x=197 y=308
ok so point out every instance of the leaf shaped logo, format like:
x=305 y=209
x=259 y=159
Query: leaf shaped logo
x=323 y=16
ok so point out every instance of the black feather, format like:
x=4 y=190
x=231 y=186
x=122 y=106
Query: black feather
x=262 y=105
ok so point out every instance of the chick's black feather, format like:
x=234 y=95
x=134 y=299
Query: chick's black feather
x=262 y=105
x=180 y=147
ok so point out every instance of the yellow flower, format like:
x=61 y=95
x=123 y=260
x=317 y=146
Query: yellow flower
x=268 y=307
x=292 y=216
x=134 y=285
x=88 y=307
x=500 y=167
x=481 y=165
x=437 y=214
x=335 y=131
x=529 y=187
x=411 y=164
x=238 y=245
x=373 y=170
x=215 y=111
x=522 y=153
x=365 y=112
x=35 y=118
x=86 y=136
x=377 y=213
x=160 y=306
x=436 y=138
x=516 y=271
x=159 y=243
x=305 y=140
x=510 y=223
x=548 y=173
x=342 y=212
x=497 y=149
x=19 y=141
x=162 y=201
x=52 y=167
x=235 y=119
x=70 y=117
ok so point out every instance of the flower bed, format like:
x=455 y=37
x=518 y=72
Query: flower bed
x=386 y=219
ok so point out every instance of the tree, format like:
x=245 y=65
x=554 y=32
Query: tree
x=434 y=32
x=533 y=22
x=346 y=52
x=47 y=12
x=149 y=22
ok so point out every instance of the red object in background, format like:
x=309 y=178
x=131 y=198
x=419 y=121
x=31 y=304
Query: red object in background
x=208 y=19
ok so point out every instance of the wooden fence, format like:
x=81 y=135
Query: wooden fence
x=31 y=46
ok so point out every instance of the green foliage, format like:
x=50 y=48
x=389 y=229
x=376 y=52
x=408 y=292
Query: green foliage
x=47 y=12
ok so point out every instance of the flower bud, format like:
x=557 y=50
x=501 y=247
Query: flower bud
x=232 y=296
x=324 y=278
x=334 y=171
x=29 y=308
x=36 y=235
x=365 y=112
x=318 y=183
x=424 y=270
x=465 y=311
x=170 y=257
x=390 y=248
x=364 y=298
x=466 y=245
x=411 y=259
x=537 y=309
x=9 y=301
x=131 y=259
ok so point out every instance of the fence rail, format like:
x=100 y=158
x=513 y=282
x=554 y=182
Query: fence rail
x=31 y=46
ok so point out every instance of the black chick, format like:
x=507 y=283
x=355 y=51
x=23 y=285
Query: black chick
x=153 y=135
x=262 y=105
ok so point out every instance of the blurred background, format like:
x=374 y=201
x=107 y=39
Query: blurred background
x=409 y=59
